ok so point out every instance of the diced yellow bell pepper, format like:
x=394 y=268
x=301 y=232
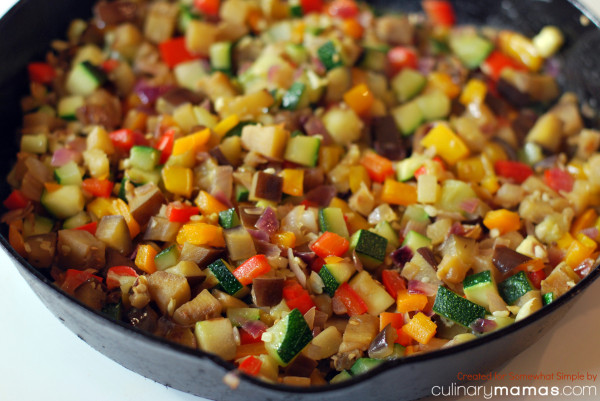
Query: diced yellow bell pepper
x=144 y=258
x=521 y=49
x=398 y=193
x=331 y=260
x=359 y=98
x=420 y=328
x=178 y=180
x=293 y=181
x=494 y=152
x=226 y=125
x=565 y=241
x=406 y=302
x=579 y=250
x=208 y=204
x=443 y=82
x=358 y=174
x=101 y=207
x=329 y=156
x=194 y=142
x=474 y=92
x=201 y=234
x=470 y=169
x=491 y=184
x=447 y=144
x=286 y=239
x=122 y=208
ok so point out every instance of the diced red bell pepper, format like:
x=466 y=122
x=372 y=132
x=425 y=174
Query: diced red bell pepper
x=89 y=227
x=439 y=12
x=518 y=171
x=165 y=145
x=181 y=213
x=109 y=65
x=330 y=244
x=251 y=365
x=400 y=57
x=498 y=61
x=311 y=6
x=254 y=267
x=98 y=187
x=173 y=51
x=16 y=200
x=113 y=274
x=208 y=7
x=536 y=278
x=296 y=297
x=393 y=282
x=378 y=167
x=317 y=264
x=343 y=9
x=559 y=180
x=352 y=301
x=247 y=338
x=75 y=278
x=122 y=138
x=42 y=73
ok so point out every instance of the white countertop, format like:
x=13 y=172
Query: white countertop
x=43 y=360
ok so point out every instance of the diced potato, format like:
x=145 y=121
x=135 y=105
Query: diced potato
x=114 y=232
x=427 y=188
x=199 y=36
x=169 y=291
x=227 y=301
x=547 y=132
x=438 y=230
x=127 y=40
x=452 y=269
x=187 y=269
x=375 y=296
x=160 y=21
x=204 y=306
x=98 y=139
x=343 y=124
x=185 y=117
x=269 y=141
x=216 y=336
x=97 y=163
x=328 y=341
x=561 y=280
x=246 y=107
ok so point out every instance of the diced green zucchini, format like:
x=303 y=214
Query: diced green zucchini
x=138 y=176
x=220 y=57
x=144 y=157
x=113 y=311
x=77 y=220
x=68 y=174
x=477 y=288
x=374 y=59
x=36 y=226
x=37 y=144
x=407 y=84
x=372 y=292
x=241 y=193
x=239 y=316
x=295 y=97
x=398 y=352
x=186 y=15
x=229 y=218
x=415 y=240
x=68 y=105
x=288 y=337
x=303 y=150
x=330 y=56
x=296 y=52
x=296 y=9
x=84 y=79
x=434 y=105
x=385 y=229
x=369 y=247
x=222 y=272
x=189 y=73
x=334 y=274
x=514 y=287
x=548 y=298
x=408 y=117
x=456 y=308
x=363 y=365
x=454 y=193
x=332 y=219
x=415 y=213
x=405 y=169
x=167 y=257
x=470 y=48
x=340 y=377
x=64 y=202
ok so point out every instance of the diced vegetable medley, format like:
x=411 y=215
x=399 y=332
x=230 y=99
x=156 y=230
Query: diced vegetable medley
x=306 y=188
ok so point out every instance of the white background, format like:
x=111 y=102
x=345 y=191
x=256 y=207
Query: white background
x=41 y=360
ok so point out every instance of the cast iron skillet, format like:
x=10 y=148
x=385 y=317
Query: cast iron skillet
x=26 y=31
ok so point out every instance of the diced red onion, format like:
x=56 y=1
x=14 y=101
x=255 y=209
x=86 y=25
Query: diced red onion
x=147 y=93
x=63 y=156
x=268 y=222
x=401 y=255
x=221 y=197
x=223 y=184
x=419 y=287
x=584 y=267
x=314 y=126
x=306 y=257
x=321 y=195
x=259 y=235
x=555 y=255
x=483 y=325
x=470 y=205
x=457 y=228
x=78 y=144
x=255 y=328
x=266 y=248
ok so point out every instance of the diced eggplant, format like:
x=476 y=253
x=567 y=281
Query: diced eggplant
x=145 y=202
x=169 y=291
x=505 y=259
x=301 y=366
x=383 y=343
x=203 y=306
x=114 y=232
x=91 y=294
x=40 y=250
x=266 y=186
x=145 y=318
x=267 y=291
x=202 y=256
x=178 y=96
x=115 y=12
x=78 y=249
x=240 y=244
x=114 y=258
x=387 y=139
x=161 y=229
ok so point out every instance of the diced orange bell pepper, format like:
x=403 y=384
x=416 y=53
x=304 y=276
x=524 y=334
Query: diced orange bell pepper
x=520 y=48
x=201 y=234
x=194 y=142
x=420 y=328
x=329 y=156
x=396 y=320
x=378 y=167
x=443 y=82
x=286 y=239
x=359 y=98
x=293 y=181
x=398 y=193
x=122 y=208
x=144 y=259
x=585 y=220
x=580 y=249
x=406 y=302
x=208 y=204
x=244 y=350
x=503 y=220
x=565 y=241
x=330 y=244
x=353 y=28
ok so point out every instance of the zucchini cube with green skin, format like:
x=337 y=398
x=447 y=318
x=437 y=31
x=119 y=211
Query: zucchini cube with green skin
x=64 y=202
x=167 y=257
x=415 y=240
x=456 y=308
x=239 y=316
x=385 y=229
x=332 y=219
x=478 y=287
x=405 y=169
x=363 y=365
x=225 y=278
x=548 y=298
x=241 y=193
x=340 y=377
x=220 y=57
x=84 y=79
x=68 y=105
x=470 y=48
x=369 y=247
x=408 y=117
x=39 y=225
x=295 y=98
x=68 y=174
x=407 y=84
x=287 y=338
x=229 y=218
x=334 y=274
x=330 y=56
x=144 y=157
x=303 y=150
x=514 y=287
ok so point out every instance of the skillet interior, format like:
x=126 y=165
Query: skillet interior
x=184 y=366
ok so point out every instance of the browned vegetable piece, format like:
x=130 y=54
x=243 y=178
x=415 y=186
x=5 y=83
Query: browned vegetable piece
x=182 y=335
x=115 y=12
x=203 y=306
x=40 y=250
x=114 y=258
x=359 y=333
x=505 y=259
x=168 y=290
x=227 y=301
x=428 y=255
x=383 y=343
x=78 y=249
x=145 y=202
x=561 y=280
x=387 y=139
x=178 y=96
x=396 y=30
x=301 y=366
x=161 y=229
x=202 y=256
x=101 y=108
x=250 y=215
x=266 y=186
x=144 y=319
x=114 y=232
x=267 y=291
x=91 y=294
x=240 y=244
